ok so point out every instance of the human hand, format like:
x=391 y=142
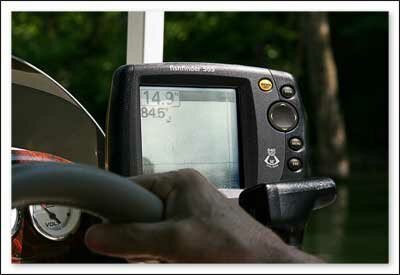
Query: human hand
x=200 y=225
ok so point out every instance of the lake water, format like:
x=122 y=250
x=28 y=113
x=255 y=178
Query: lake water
x=355 y=228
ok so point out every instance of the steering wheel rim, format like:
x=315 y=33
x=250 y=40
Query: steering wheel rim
x=113 y=198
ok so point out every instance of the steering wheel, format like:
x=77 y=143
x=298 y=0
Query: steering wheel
x=101 y=193
x=113 y=198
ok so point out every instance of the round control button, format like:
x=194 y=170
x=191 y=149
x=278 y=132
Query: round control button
x=265 y=84
x=287 y=91
x=283 y=116
x=295 y=143
x=295 y=164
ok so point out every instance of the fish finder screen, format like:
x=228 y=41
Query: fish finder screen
x=191 y=128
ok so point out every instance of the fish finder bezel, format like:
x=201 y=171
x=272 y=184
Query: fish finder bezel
x=256 y=134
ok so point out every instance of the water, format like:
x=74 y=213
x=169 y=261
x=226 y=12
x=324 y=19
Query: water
x=355 y=228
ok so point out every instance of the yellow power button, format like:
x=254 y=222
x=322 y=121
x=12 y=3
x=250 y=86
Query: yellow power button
x=265 y=84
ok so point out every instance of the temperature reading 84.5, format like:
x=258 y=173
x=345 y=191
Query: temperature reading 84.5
x=153 y=112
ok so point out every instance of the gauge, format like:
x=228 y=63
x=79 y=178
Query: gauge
x=53 y=221
x=16 y=219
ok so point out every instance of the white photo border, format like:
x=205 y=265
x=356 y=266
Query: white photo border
x=390 y=6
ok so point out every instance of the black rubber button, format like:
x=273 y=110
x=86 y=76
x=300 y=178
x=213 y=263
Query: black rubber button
x=295 y=143
x=283 y=116
x=295 y=164
x=287 y=91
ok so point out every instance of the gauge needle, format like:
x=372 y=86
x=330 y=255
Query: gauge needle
x=51 y=214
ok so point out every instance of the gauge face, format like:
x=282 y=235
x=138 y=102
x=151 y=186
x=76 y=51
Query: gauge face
x=53 y=221
x=16 y=219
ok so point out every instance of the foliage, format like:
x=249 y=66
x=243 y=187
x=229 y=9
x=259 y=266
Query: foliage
x=247 y=38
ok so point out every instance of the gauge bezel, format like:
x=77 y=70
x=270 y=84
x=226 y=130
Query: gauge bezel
x=18 y=221
x=75 y=222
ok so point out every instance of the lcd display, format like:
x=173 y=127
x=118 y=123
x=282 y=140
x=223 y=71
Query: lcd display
x=196 y=128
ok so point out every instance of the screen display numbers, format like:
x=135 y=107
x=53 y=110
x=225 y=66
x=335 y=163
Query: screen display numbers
x=186 y=127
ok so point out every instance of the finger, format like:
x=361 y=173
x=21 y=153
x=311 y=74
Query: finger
x=161 y=184
x=135 y=240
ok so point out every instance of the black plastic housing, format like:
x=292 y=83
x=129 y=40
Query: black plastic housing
x=286 y=206
x=256 y=134
x=288 y=202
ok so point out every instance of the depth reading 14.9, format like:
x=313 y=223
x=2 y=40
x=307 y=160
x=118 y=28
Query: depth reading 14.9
x=163 y=98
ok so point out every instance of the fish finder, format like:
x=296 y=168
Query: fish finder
x=237 y=125
x=242 y=127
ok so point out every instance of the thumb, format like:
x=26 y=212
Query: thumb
x=131 y=240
